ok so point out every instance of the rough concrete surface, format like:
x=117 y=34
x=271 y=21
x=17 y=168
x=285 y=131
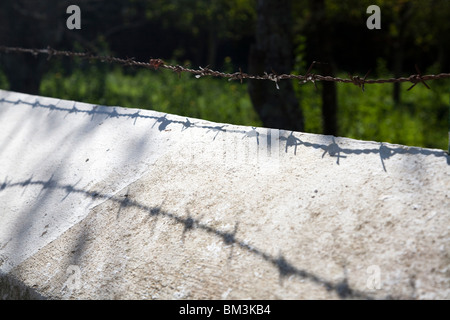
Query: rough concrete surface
x=111 y=203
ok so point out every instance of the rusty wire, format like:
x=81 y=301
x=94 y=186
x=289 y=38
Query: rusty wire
x=156 y=64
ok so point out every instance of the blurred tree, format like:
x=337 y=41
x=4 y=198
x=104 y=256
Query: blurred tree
x=430 y=27
x=39 y=24
x=402 y=11
x=416 y=32
x=197 y=28
x=273 y=52
x=321 y=41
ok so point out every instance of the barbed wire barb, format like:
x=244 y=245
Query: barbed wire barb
x=155 y=64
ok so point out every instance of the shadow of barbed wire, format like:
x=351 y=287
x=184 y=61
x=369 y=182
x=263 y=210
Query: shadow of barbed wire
x=292 y=140
x=284 y=268
x=384 y=151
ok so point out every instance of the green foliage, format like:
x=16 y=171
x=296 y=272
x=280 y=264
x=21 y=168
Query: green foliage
x=211 y=99
x=420 y=120
x=310 y=101
x=228 y=18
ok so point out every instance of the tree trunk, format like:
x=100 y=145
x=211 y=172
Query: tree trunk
x=329 y=108
x=212 y=47
x=399 y=46
x=24 y=72
x=272 y=52
x=321 y=42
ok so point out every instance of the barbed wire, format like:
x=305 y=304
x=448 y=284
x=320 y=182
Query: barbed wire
x=156 y=64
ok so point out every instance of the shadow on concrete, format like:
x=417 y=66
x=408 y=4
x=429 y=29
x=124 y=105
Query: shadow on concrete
x=279 y=262
x=332 y=149
x=385 y=152
x=190 y=224
x=14 y=289
x=29 y=214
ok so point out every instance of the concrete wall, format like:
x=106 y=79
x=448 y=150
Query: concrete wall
x=110 y=203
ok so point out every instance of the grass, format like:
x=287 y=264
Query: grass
x=210 y=99
x=421 y=119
